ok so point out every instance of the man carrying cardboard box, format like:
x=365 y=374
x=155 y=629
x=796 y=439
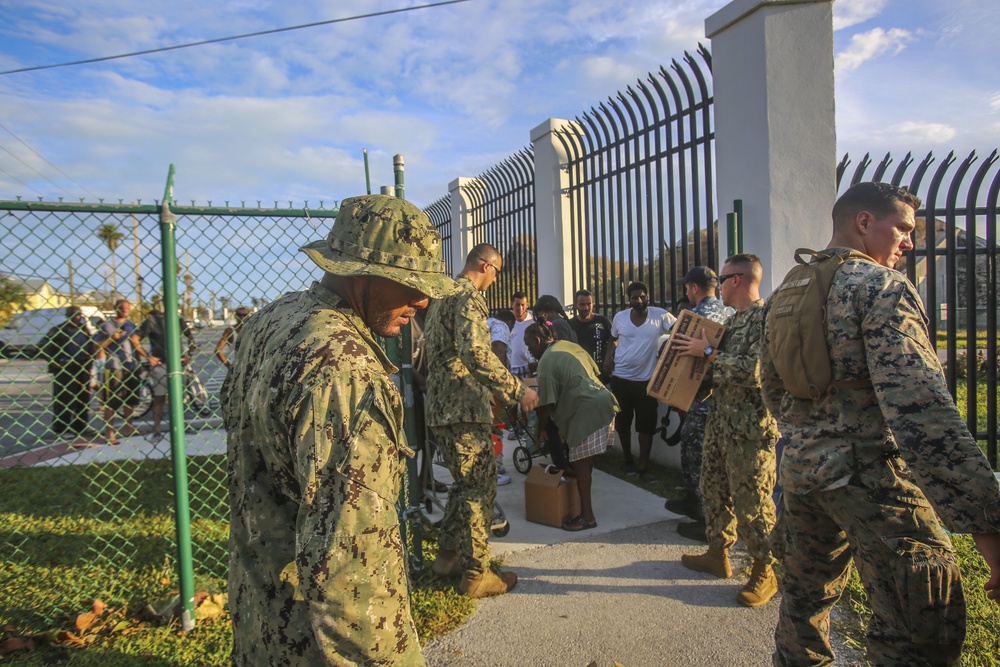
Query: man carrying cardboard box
x=700 y=285
x=738 y=466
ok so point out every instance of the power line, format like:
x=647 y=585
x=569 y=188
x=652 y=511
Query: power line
x=233 y=38
x=19 y=159
x=4 y=171
x=33 y=150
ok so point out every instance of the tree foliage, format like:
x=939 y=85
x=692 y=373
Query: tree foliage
x=13 y=298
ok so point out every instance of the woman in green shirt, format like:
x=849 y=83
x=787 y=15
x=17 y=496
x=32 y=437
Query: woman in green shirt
x=571 y=394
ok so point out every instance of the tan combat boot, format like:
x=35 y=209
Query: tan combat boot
x=761 y=587
x=714 y=561
x=447 y=564
x=487 y=584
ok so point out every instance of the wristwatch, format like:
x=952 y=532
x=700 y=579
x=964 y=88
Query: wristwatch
x=709 y=350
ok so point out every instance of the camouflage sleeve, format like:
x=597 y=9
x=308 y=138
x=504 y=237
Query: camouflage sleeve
x=739 y=363
x=772 y=390
x=349 y=565
x=932 y=438
x=472 y=338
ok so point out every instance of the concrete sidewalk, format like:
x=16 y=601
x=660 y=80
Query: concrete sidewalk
x=613 y=593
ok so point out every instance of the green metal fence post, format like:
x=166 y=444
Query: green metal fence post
x=738 y=210
x=185 y=568
x=397 y=169
x=410 y=499
x=368 y=178
x=734 y=229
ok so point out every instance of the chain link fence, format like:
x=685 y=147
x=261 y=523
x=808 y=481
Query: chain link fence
x=86 y=498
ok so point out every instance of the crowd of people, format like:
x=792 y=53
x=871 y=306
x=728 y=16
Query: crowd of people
x=110 y=362
x=875 y=466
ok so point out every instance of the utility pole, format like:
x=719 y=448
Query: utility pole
x=72 y=292
x=138 y=268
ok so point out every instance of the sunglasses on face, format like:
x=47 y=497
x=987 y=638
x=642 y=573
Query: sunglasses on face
x=726 y=276
x=485 y=261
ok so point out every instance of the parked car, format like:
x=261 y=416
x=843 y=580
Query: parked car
x=22 y=335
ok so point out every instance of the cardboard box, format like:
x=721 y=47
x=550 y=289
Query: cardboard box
x=677 y=377
x=550 y=498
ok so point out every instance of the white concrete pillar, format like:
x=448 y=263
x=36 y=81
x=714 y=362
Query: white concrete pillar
x=461 y=222
x=775 y=134
x=552 y=207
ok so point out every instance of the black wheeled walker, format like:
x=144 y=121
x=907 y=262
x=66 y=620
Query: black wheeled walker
x=527 y=447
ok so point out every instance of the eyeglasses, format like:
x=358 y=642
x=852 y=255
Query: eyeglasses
x=726 y=276
x=486 y=261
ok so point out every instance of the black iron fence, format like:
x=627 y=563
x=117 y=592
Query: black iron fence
x=954 y=266
x=642 y=185
x=502 y=213
x=440 y=215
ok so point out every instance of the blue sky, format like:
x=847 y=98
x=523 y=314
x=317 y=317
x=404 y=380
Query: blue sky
x=454 y=89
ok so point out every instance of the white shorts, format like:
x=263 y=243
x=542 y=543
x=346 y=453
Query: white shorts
x=158 y=380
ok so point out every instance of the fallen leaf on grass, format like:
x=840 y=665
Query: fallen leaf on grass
x=84 y=621
x=67 y=637
x=99 y=606
x=15 y=644
x=212 y=606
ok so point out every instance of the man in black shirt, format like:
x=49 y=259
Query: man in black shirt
x=593 y=332
x=154 y=328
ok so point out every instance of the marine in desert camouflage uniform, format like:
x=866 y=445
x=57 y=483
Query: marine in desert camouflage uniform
x=316 y=450
x=872 y=470
x=738 y=465
x=462 y=371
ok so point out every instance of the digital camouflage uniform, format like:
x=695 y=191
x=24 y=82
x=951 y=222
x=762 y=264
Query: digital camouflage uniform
x=693 y=428
x=316 y=451
x=738 y=466
x=864 y=470
x=461 y=372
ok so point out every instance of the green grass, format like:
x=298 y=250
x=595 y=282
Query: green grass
x=961 y=340
x=72 y=534
x=668 y=480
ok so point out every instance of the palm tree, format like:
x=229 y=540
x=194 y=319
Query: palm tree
x=108 y=232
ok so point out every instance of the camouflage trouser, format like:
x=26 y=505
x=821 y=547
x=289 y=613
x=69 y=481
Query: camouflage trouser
x=467 y=450
x=692 y=435
x=737 y=478
x=906 y=563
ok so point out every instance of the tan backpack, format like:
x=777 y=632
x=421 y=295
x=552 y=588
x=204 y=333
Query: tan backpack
x=796 y=345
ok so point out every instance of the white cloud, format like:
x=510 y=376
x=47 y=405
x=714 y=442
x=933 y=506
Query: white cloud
x=852 y=12
x=920 y=133
x=872 y=44
x=995 y=101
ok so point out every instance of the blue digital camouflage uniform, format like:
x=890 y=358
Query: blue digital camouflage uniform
x=871 y=473
x=693 y=428
x=462 y=371
x=316 y=446
x=738 y=467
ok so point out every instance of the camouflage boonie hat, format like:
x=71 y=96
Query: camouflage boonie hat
x=379 y=235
